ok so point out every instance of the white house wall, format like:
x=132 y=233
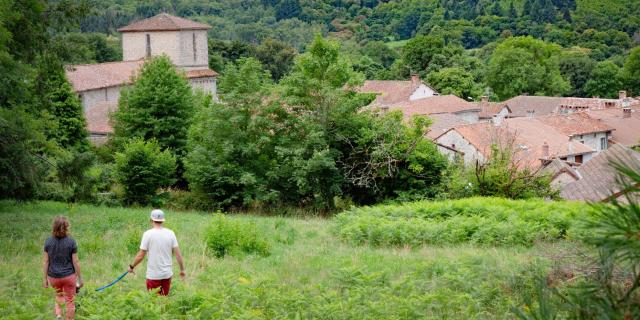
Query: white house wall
x=185 y=56
x=134 y=45
x=591 y=140
x=422 y=91
x=456 y=141
x=208 y=85
x=90 y=98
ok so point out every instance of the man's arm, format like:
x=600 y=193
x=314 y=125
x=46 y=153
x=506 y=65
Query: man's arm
x=76 y=266
x=45 y=269
x=137 y=260
x=176 y=251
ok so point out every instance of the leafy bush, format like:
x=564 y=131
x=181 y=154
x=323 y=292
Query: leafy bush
x=486 y=221
x=227 y=236
x=142 y=168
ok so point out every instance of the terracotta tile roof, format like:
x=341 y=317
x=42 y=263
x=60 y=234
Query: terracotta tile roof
x=164 y=22
x=556 y=167
x=627 y=130
x=489 y=109
x=433 y=105
x=204 y=73
x=98 y=117
x=598 y=177
x=443 y=122
x=577 y=123
x=390 y=91
x=527 y=135
x=84 y=77
x=542 y=105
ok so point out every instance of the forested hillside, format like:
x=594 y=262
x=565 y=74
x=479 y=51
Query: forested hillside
x=450 y=43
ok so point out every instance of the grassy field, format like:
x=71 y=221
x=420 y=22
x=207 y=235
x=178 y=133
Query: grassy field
x=309 y=274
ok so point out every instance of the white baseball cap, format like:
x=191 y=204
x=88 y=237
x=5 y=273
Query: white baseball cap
x=157 y=215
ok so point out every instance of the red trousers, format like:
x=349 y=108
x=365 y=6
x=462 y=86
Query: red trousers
x=65 y=293
x=163 y=284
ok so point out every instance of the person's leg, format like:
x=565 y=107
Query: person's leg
x=166 y=285
x=153 y=284
x=69 y=289
x=59 y=300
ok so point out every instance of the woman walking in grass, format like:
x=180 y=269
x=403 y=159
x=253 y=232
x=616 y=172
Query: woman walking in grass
x=61 y=266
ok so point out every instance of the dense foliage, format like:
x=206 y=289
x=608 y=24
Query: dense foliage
x=142 y=168
x=159 y=105
x=413 y=36
x=484 y=221
x=314 y=145
x=232 y=237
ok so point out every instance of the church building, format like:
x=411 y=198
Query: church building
x=98 y=85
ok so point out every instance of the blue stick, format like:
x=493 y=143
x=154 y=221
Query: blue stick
x=112 y=283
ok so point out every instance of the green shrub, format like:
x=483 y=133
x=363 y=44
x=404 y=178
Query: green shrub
x=142 y=168
x=485 y=221
x=231 y=236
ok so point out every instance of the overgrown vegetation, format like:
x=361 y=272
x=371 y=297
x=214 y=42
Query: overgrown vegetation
x=314 y=275
x=231 y=237
x=483 y=221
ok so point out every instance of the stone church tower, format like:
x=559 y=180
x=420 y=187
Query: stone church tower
x=98 y=85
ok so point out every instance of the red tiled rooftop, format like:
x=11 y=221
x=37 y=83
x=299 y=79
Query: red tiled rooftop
x=578 y=123
x=86 y=77
x=390 y=91
x=433 y=105
x=164 y=22
x=598 y=178
x=526 y=135
x=626 y=129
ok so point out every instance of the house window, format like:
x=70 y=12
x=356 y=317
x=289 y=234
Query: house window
x=148 y=45
x=579 y=158
x=603 y=143
x=194 y=46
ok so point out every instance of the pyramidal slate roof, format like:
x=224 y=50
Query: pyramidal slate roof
x=164 y=22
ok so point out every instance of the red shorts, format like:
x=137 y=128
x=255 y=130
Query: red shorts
x=163 y=284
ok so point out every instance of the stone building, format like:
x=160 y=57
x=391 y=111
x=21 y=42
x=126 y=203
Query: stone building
x=98 y=85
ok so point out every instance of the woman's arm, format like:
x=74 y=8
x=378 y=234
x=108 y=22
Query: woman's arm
x=45 y=269
x=76 y=266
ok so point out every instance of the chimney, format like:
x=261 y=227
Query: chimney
x=545 y=150
x=626 y=112
x=622 y=94
x=415 y=79
x=485 y=99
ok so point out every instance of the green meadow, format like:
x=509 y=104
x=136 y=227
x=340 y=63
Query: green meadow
x=308 y=270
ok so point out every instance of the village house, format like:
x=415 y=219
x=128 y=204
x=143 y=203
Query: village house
x=98 y=85
x=389 y=92
x=597 y=180
x=624 y=121
x=582 y=128
x=492 y=111
x=535 y=106
x=532 y=141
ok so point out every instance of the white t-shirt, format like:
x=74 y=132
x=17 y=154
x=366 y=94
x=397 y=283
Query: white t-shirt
x=159 y=244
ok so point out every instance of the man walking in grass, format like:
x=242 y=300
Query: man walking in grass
x=160 y=243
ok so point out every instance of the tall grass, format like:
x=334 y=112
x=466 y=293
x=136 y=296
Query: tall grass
x=485 y=221
x=309 y=273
